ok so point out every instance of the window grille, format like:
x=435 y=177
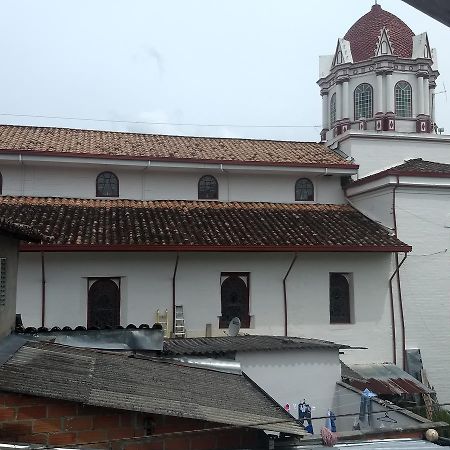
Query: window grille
x=363 y=101
x=304 y=190
x=234 y=299
x=403 y=99
x=340 y=298
x=2 y=281
x=208 y=188
x=107 y=185
x=333 y=109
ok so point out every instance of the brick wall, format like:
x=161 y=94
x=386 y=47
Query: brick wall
x=40 y=420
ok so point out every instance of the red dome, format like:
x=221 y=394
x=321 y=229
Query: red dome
x=363 y=35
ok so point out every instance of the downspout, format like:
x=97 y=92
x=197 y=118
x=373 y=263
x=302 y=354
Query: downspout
x=399 y=286
x=43 y=282
x=285 y=294
x=175 y=269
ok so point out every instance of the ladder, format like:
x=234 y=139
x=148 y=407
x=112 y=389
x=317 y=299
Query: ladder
x=180 y=330
x=163 y=319
x=427 y=397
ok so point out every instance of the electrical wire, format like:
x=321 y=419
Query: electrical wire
x=140 y=122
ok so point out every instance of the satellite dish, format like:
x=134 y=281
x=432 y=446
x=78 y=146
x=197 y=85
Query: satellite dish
x=234 y=327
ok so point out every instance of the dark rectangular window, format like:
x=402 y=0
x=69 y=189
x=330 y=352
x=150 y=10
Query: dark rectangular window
x=234 y=292
x=340 y=293
x=103 y=303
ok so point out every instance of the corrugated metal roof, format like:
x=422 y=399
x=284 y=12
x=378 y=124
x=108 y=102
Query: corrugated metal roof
x=147 y=385
x=231 y=344
x=383 y=379
x=381 y=444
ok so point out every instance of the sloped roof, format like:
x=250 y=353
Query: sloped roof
x=22 y=231
x=230 y=344
x=154 y=386
x=84 y=224
x=410 y=168
x=109 y=144
x=365 y=32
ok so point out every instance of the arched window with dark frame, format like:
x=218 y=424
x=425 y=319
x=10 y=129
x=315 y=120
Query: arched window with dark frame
x=107 y=185
x=403 y=99
x=340 y=298
x=234 y=299
x=103 y=303
x=304 y=190
x=208 y=188
x=333 y=109
x=363 y=98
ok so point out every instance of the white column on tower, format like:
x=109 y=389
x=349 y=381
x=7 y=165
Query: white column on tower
x=379 y=107
x=426 y=98
x=433 y=103
x=390 y=98
x=420 y=94
x=345 y=101
x=325 y=115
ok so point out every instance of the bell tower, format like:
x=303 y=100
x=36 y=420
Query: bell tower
x=381 y=78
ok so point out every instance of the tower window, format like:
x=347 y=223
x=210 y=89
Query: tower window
x=340 y=298
x=208 y=188
x=384 y=48
x=363 y=101
x=403 y=99
x=339 y=57
x=304 y=190
x=107 y=185
x=333 y=109
x=234 y=299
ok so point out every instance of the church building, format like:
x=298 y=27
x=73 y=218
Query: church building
x=293 y=238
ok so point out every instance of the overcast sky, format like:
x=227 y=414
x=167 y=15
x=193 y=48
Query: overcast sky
x=230 y=63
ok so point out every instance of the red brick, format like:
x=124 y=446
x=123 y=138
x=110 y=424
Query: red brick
x=16 y=428
x=127 y=420
x=106 y=422
x=229 y=440
x=91 y=436
x=62 y=409
x=46 y=425
x=33 y=438
x=92 y=410
x=177 y=444
x=7 y=413
x=205 y=442
x=122 y=433
x=22 y=400
x=251 y=438
x=62 y=438
x=32 y=412
x=80 y=423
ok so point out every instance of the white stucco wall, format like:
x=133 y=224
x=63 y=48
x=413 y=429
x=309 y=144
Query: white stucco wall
x=78 y=180
x=293 y=375
x=146 y=285
x=375 y=152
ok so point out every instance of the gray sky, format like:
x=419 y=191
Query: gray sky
x=210 y=62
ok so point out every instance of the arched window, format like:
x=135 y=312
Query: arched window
x=339 y=298
x=107 y=185
x=384 y=48
x=333 y=109
x=234 y=299
x=403 y=99
x=103 y=303
x=363 y=101
x=304 y=190
x=339 y=58
x=208 y=188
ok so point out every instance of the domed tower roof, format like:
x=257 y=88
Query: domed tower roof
x=364 y=34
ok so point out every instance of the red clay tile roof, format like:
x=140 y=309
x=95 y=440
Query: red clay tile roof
x=108 y=144
x=363 y=35
x=410 y=168
x=21 y=231
x=85 y=224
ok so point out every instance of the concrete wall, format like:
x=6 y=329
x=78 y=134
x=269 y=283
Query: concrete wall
x=293 y=375
x=146 y=285
x=8 y=250
x=135 y=183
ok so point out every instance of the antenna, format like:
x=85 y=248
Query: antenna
x=234 y=326
x=444 y=91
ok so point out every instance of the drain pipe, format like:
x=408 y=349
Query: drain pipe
x=285 y=294
x=175 y=270
x=43 y=282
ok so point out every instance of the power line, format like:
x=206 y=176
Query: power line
x=140 y=122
